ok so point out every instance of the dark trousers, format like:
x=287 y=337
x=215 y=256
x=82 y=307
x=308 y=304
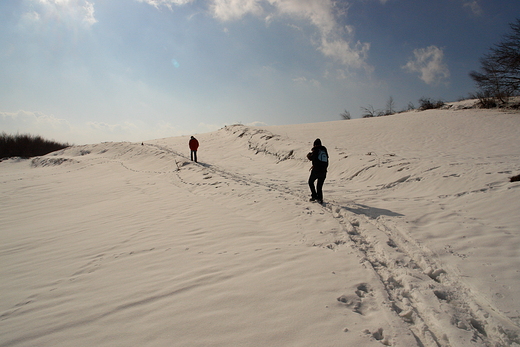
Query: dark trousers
x=194 y=156
x=317 y=193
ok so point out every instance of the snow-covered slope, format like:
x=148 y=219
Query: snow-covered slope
x=132 y=244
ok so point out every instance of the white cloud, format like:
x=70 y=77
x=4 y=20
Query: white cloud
x=304 y=81
x=335 y=40
x=31 y=17
x=429 y=63
x=205 y=127
x=474 y=7
x=35 y=123
x=88 y=10
x=62 y=11
x=226 y=10
x=318 y=12
x=166 y=3
x=117 y=129
x=61 y=130
x=295 y=27
x=345 y=52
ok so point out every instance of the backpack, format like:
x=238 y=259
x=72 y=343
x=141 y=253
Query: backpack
x=322 y=156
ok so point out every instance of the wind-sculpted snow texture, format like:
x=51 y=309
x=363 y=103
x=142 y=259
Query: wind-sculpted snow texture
x=417 y=244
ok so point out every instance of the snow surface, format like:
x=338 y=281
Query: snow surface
x=130 y=244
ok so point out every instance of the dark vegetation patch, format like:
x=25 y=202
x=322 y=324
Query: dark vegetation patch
x=27 y=146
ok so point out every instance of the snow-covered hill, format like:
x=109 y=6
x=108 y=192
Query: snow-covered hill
x=417 y=244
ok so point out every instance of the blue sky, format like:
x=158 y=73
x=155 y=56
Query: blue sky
x=83 y=71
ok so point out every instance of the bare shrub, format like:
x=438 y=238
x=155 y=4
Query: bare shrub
x=345 y=115
x=369 y=112
x=390 y=107
x=429 y=104
x=485 y=99
x=26 y=146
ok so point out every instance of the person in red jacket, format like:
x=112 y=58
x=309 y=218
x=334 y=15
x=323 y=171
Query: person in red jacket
x=194 y=146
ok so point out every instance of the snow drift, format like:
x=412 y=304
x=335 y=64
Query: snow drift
x=417 y=244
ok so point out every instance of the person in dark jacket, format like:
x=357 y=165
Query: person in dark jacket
x=194 y=146
x=320 y=163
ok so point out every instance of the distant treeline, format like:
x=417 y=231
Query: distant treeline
x=26 y=146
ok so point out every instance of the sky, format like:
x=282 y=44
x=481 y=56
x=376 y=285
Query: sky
x=81 y=71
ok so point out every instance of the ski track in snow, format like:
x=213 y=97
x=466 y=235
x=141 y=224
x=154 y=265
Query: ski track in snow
x=412 y=282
